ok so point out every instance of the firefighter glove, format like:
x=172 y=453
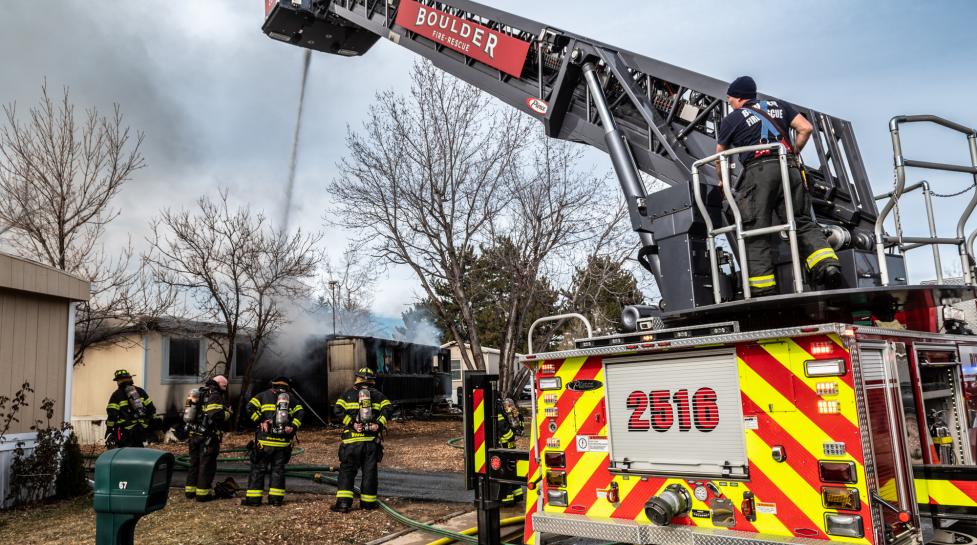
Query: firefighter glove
x=264 y=426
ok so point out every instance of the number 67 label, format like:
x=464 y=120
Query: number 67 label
x=701 y=410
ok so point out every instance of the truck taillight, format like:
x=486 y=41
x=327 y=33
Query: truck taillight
x=824 y=368
x=829 y=406
x=547 y=368
x=844 y=498
x=495 y=463
x=844 y=525
x=748 y=506
x=556 y=478
x=555 y=459
x=837 y=472
x=821 y=348
x=557 y=498
x=550 y=383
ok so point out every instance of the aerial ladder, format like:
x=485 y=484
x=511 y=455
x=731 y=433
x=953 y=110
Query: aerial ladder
x=802 y=416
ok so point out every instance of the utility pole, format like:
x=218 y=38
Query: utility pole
x=332 y=287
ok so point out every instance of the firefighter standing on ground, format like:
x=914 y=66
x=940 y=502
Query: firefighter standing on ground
x=759 y=193
x=509 y=425
x=130 y=414
x=205 y=413
x=278 y=415
x=364 y=412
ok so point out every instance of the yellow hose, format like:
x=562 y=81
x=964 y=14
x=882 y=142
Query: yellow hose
x=511 y=521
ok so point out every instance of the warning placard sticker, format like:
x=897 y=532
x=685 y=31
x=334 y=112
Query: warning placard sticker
x=592 y=443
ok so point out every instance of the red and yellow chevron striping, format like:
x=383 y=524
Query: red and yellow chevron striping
x=780 y=401
x=478 y=424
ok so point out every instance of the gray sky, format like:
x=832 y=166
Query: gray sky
x=216 y=98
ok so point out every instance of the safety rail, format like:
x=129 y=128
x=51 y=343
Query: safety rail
x=737 y=227
x=555 y=318
x=961 y=240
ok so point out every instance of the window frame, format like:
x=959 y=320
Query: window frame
x=167 y=377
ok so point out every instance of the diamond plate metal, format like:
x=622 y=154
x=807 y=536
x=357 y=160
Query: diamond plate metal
x=728 y=338
x=629 y=531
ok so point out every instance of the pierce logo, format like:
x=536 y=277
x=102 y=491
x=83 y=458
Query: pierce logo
x=496 y=49
x=538 y=105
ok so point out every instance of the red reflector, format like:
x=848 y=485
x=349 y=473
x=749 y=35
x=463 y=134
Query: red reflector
x=631 y=346
x=555 y=459
x=530 y=357
x=748 y=506
x=903 y=516
x=837 y=472
x=808 y=329
x=531 y=486
x=647 y=345
x=496 y=463
x=664 y=344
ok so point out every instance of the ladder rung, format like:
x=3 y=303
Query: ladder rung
x=940 y=166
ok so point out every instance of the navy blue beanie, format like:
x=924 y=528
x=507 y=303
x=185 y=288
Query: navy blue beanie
x=742 y=87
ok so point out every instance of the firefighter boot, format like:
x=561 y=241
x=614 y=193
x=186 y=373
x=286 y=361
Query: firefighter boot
x=342 y=505
x=276 y=501
x=368 y=505
x=252 y=500
x=829 y=276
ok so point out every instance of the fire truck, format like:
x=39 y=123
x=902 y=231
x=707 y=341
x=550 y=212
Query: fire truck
x=716 y=418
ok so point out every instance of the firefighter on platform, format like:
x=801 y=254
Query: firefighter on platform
x=130 y=414
x=364 y=412
x=759 y=191
x=204 y=413
x=277 y=415
x=508 y=426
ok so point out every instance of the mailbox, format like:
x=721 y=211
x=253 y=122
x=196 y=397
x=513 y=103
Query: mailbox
x=129 y=483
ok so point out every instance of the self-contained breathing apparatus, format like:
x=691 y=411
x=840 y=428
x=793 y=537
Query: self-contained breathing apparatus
x=136 y=407
x=282 y=416
x=511 y=412
x=195 y=419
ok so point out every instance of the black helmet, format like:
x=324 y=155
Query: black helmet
x=365 y=374
x=122 y=374
x=281 y=382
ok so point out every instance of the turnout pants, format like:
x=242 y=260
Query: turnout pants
x=135 y=437
x=203 y=464
x=354 y=457
x=268 y=460
x=760 y=198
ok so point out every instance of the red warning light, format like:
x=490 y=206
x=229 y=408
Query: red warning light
x=496 y=463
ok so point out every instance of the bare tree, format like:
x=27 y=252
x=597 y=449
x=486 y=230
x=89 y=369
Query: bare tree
x=425 y=178
x=237 y=268
x=436 y=175
x=347 y=288
x=59 y=172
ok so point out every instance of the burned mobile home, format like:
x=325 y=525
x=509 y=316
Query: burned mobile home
x=415 y=377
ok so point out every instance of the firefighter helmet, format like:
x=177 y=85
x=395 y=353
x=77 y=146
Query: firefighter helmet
x=281 y=382
x=365 y=374
x=122 y=374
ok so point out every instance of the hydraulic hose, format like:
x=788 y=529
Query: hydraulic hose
x=454 y=443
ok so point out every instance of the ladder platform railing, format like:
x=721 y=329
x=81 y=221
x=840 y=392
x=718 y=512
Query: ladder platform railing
x=961 y=241
x=741 y=234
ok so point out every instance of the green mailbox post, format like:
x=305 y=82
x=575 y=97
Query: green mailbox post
x=129 y=483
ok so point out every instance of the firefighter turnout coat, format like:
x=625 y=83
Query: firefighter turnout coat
x=360 y=450
x=204 y=441
x=273 y=447
x=124 y=421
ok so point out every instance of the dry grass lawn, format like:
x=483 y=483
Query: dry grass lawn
x=305 y=518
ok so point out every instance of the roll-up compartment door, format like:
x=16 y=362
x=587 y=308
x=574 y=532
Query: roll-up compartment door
x=678 y=414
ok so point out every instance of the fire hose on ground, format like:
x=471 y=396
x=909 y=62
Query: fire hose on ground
x=315 y=473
